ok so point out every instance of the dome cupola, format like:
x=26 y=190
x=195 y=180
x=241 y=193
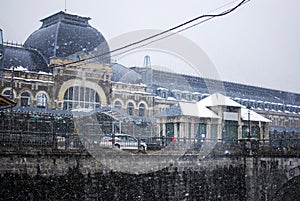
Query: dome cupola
x=64 y=35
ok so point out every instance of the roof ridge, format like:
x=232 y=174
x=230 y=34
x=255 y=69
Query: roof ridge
x=55 y=39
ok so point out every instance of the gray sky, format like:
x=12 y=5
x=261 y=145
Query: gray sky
x=258 y=44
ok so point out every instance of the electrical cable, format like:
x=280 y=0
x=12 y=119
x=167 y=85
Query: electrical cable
x=173 y=33
x=209 y=16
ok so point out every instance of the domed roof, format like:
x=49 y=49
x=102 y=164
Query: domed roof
x=64 y=35
x=27 y=58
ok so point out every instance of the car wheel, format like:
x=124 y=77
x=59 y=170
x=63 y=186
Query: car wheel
x=117 y=146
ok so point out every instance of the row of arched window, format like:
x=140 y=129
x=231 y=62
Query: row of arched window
x=26 y=98
x=130 y=109
x=74 y=97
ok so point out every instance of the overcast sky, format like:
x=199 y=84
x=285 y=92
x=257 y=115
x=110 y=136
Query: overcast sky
x=258 y=44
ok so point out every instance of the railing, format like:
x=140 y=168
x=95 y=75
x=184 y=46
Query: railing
x=25 y=138
x=73 y=141
x=38 y=139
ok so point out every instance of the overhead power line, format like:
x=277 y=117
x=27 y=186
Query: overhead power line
x=172 y=33
x=147 y=39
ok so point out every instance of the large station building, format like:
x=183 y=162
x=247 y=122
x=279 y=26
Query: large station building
x=65 y=66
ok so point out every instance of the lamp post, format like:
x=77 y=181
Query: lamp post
x=249 y=122
x=12 y=80
x=11 y=96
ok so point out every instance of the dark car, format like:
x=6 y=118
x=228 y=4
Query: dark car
x=155 y=143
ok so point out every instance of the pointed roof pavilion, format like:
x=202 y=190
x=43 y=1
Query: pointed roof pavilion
x=218 y=99
x=201 y=109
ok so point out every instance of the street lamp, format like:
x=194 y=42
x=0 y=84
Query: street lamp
x=249 y=122
x=12 y=79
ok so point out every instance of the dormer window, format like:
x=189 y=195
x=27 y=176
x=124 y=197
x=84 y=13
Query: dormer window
x=162 y=92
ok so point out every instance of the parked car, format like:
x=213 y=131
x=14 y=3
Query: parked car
x=155 y=143
x=122 y=141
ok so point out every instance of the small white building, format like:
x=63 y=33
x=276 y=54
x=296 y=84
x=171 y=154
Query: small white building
x=214 y=117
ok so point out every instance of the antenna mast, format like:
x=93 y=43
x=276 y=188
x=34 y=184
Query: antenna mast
x=65 y=5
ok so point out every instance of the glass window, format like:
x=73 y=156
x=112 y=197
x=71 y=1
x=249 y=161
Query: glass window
x=130 y=108
x=7 y=94
x=197 y=97
x=25 y=99
x=118 y=105
x=81 y=97
x=142 y=109
x=188 y=97
x=131 y=138
x=41 y=100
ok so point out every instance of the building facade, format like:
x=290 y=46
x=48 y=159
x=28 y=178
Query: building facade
x=65 y=65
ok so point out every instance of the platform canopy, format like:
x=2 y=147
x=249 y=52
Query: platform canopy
x=247 y=115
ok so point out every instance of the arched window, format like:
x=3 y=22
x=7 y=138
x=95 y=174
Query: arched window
x=25 y=99
x=41 y=101
x=130 y=108
x=81 y=97
x=142 y=109
x=118 y=105
x=7 y=94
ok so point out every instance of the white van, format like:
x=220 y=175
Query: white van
x=122 y=141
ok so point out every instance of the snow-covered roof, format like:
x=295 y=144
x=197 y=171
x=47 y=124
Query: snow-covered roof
x=196 y=110
x=162 y=89
x=122 y=74
x=23 y=59
x=189 y=109
x=218 y=99
x=171 y=98
x=30 y=80
x=18 y=68
x=253 y=116
x=71 y=34
x=205 y=112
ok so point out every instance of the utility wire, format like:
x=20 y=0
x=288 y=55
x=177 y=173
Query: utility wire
x=209 y=16
x=172 y=33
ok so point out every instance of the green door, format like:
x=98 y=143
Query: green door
x=230 y=132
x=255 y=130
x=214 y=131
x=169 y=129
x=200 y=130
